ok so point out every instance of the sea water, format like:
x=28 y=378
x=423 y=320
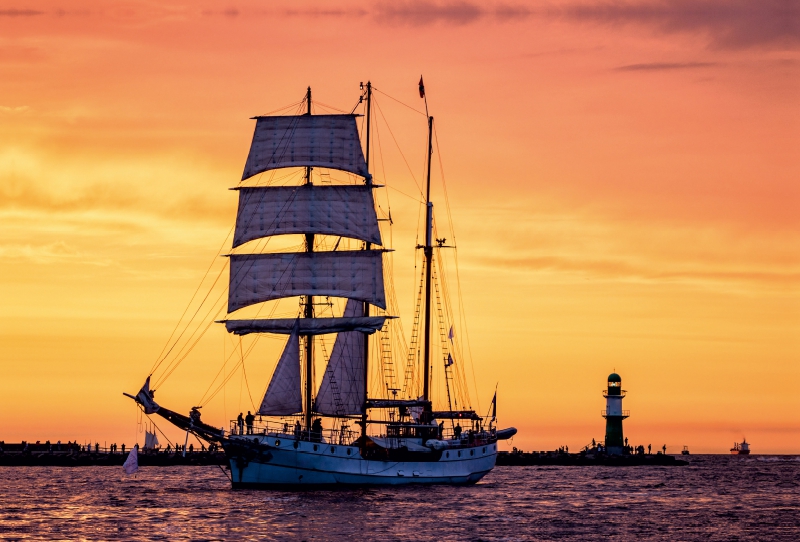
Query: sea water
x=714 y=498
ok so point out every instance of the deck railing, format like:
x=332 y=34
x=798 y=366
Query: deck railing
x=286 y=430
x=347 y=436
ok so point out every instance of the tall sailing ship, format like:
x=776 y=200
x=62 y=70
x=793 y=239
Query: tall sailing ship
x=397 y=437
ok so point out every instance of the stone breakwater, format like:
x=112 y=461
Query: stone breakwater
x=527 y=459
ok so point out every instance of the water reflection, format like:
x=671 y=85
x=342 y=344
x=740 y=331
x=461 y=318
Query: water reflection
x=715 y=497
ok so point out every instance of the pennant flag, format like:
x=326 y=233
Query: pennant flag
x=451 y=334
x=494 y=406
x=421 y=88
x=449 y=361
x=131 y=464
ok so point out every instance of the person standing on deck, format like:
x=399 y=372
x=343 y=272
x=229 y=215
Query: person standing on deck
x=240 y=423
x=249 y=419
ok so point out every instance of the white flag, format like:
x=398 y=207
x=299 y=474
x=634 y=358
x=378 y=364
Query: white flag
x=131 y=464
x=451 y=334
x=449 y=361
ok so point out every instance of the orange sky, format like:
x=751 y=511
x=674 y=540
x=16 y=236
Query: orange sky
x=622 y=179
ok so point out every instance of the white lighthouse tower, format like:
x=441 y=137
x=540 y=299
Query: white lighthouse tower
x=614 y=415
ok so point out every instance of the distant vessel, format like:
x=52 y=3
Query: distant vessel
x=338 y=274
x=685 y=450
x=741 y=448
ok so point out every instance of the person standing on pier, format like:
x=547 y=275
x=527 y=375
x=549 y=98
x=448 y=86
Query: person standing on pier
x=240 y=423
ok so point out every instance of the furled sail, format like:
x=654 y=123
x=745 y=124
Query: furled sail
x=329 y=141
x=354 y=274
x=283 y=396
x=307 y=326
x=342 y=389
x=348 y=211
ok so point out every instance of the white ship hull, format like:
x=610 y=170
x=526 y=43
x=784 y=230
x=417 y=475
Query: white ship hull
x=279 y=464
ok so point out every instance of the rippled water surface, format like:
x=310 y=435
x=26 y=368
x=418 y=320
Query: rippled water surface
x=715 y=498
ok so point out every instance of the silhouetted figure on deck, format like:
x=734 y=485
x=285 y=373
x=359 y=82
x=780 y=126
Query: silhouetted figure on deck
x=249 y=419
x=297 y=430
x=441 y=429
x=316 y=430
x=240 y=423
x=457 y=431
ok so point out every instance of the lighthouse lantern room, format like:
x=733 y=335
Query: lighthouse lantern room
x=614 y=415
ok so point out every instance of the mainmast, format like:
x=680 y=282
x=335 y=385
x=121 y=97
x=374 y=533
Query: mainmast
x=309 y=310
x=428 y=249
x=367 y=246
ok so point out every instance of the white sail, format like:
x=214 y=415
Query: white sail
x=329 y=141
x=283 y=395
x=308 y=326
x=150 y=440
x=131 y=464
x=354 y=274
x=348 y=211
x=342 y=388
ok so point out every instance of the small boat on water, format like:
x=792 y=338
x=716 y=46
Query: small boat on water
x=741 y=448
x=685 y=450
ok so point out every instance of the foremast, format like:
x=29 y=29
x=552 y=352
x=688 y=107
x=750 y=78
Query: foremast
x=343 y=210
x=309 y=313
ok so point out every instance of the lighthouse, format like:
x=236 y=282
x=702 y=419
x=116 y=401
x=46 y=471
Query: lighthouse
x=614 y=415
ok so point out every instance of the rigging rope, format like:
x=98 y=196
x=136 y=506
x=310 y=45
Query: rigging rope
x=160 y=360
x=401 y=103
x=462 y=316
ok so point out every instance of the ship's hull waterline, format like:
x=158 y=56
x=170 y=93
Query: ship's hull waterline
x=310 y=465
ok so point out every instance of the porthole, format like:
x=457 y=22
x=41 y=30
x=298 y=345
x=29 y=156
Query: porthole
x=316 y=447
x=333 y=450
x=472 y=452
x=277 y=442
x=348 y=451
x=459 y=453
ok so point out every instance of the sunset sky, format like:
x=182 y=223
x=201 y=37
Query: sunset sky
x=622 y=179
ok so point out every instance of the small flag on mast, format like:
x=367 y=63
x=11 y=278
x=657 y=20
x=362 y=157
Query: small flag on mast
x=449 y=361
x=451 y=334
x=421 y=88
x=494 y=406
